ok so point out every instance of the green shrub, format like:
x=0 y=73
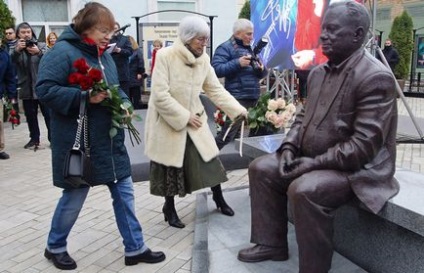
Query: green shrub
x=245 y=11
x=6 y=18
x=401 y=36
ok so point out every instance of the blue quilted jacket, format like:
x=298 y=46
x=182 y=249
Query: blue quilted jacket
x=241 y=82
x=110 y=158
x=7 y=76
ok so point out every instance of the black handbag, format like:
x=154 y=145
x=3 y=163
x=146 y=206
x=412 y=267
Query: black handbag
x=77 y=168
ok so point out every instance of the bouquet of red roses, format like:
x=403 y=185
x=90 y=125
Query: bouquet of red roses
x=220 y=118
x=12 y=112
x=91 y=79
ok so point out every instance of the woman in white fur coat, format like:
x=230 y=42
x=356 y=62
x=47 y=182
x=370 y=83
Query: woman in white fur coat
x=178 y=139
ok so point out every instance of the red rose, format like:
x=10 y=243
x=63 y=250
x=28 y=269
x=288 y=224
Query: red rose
x=81 y=65
x=95 y=74
x=85 y=82
x=74 y=78
x=13 y=112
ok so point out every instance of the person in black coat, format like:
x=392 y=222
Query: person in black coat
x=120 y=54
x=391 y=54
x=7 y=87
x=137 y=74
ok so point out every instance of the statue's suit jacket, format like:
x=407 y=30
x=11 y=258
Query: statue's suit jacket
x=353 y=128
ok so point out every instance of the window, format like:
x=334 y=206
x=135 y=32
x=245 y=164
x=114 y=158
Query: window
x=415 y=11
x=45 y=10
x=172 y=5
x=383 y=14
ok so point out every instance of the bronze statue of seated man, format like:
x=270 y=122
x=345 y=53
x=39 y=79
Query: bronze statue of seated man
x=341 y=146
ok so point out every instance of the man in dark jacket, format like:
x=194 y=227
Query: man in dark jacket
x=10 y=42
x=10 y=39
x=233 y=60
x=7 y=87
x=120 y=54
x=342 y=146
x=391 y=54
x=26 y=56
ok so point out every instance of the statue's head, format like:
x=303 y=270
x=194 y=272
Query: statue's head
x=343 y=30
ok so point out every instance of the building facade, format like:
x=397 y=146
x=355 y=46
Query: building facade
x=387 y=10
x=54 y=15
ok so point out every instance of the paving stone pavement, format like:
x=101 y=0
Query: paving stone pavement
x=27 y=201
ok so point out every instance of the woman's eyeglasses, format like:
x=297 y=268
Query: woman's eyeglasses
x=203 y=40
x=104 y=31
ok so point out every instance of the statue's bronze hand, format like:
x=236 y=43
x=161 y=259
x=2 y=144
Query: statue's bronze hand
x=286 y=162
x=300 y=166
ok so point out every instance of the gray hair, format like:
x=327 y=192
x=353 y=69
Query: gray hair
x=242 y=24
x=191 y=27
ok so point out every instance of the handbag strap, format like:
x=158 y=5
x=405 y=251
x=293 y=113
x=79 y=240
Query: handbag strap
x=81 y=122
x=86 y=134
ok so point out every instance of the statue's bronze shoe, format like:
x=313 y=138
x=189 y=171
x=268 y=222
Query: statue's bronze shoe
x=259 y=253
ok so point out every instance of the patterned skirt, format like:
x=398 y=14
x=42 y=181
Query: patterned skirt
x=194 y=175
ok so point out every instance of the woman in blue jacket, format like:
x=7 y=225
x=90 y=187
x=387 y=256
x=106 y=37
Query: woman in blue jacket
x=87 y=38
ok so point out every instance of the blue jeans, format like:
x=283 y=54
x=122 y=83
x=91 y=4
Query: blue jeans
x=69 y=207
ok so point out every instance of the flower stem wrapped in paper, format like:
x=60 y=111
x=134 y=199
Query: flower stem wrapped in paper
x=92 y=79
x=272 y=114
x=220 y=119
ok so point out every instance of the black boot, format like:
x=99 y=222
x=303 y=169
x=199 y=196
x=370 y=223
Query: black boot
x=171 y=214
x=220 y=202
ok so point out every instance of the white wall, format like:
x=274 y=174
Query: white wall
x=123 y=10
x=227 y=12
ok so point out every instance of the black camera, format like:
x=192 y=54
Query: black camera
x=257 y=49
x=31 y=42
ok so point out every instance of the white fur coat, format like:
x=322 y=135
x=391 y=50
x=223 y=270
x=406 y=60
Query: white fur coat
x=177 y=81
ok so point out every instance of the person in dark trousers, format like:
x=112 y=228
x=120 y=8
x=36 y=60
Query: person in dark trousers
x=120 y=54
x=233 y=61
x=137 y=74
x=26 y=56
x=340 y=148
x=9 y=44
x=8 y=88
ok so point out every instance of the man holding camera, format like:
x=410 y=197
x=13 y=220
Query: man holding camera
x=235 y=60
x=26 y=56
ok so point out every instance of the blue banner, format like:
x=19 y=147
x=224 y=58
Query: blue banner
x=275 y=19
